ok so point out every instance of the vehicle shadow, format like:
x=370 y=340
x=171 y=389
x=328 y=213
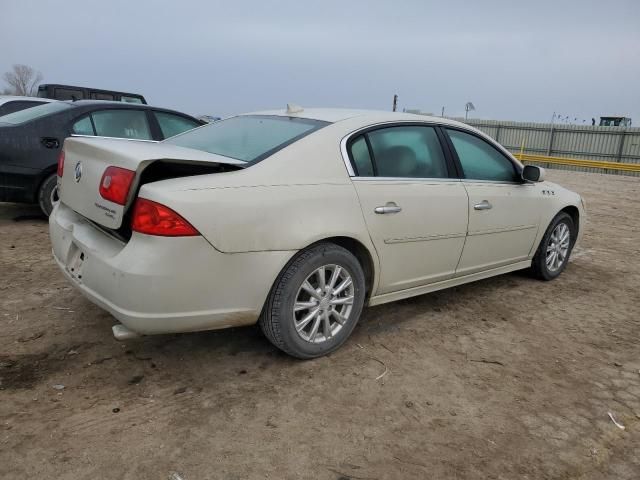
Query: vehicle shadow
x=17 y=212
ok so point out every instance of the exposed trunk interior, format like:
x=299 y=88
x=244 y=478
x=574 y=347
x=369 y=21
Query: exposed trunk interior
x=165 y=170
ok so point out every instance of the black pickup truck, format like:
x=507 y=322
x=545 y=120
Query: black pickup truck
x=70 y=92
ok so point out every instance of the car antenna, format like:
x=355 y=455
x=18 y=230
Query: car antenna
x=293 y=108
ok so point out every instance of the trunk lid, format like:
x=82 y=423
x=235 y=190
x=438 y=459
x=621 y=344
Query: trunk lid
x=86 y=160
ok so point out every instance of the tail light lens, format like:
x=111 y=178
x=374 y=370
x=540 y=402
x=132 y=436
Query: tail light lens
x=153 y=218
x=61 y=163
x=115 y=184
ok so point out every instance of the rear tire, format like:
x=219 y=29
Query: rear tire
x=315 y=302
x=48 y=194
x=554 y=250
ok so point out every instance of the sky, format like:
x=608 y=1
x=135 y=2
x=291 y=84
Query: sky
x=515 y=60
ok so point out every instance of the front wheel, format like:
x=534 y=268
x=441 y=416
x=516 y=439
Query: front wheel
x=315 y=302
x=48 y=194
x=554 y=250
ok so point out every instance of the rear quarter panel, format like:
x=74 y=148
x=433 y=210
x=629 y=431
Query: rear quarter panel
x=298 y=196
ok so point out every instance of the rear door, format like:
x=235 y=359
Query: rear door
x=414 y=207
x=117 y=123
x=503 y=210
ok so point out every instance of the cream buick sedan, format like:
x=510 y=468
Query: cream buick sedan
x=297 y=219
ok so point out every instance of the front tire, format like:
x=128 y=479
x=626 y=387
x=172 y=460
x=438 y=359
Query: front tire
x=315 y=303
x=48 y=194
x=554 y=250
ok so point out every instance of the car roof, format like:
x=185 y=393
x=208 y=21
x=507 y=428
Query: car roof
x=13 y=98
x=117 y=104
x=111 y=102
x=334 y=115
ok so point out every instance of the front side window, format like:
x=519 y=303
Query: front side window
x=247 y=137
x=172 y=125
x=34 y=113
x=122 y=124
x=408 y=152
x=480 y=160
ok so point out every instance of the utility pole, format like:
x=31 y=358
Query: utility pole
x=395 y=103
x=442 y=114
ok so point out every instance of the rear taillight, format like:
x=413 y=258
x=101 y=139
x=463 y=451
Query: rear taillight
x=154 y=218
x=115 y=184
x=61 y=163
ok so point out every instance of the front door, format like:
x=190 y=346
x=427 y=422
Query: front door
x=503 y=210
x=414 y=208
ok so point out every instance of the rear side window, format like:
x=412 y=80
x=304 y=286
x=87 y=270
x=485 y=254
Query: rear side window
x=17 y=105
x=172 y=125
x=34 y=113
x=361 y=157
x=69 y=94
x=248 y=138
x=128 y=99
x=102 y=96
x=122 y=124
x=480 y=160
x=83 y=127
x=408 y=152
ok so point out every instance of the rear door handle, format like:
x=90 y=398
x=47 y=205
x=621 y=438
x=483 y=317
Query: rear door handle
x=390 y=207
x=50 y=142
x=483 y=205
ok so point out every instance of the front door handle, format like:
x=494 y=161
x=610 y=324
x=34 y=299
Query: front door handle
x=483 y=205
x=390 y=207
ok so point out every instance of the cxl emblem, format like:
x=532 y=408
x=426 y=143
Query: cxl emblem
x=78 y=172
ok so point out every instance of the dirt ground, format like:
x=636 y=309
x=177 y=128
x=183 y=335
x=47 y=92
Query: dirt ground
x=501 y=379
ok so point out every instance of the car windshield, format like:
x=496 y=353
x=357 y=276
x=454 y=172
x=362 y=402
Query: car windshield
x=248 y=138
x=34 y=112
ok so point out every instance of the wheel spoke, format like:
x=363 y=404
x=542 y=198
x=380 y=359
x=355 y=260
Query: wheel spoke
x=342 y=301
x=298 y=306
x=345 y=283
x=321 y=279
x=341 y=319
x=307 y=287
x=334 y=276
x=327 y=325
x=551 y=258
x=314 y=329
x=305 y=321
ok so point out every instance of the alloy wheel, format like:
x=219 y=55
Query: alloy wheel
x=558 y=247
x=323 y=303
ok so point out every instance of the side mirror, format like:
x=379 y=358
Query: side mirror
x=531 y=173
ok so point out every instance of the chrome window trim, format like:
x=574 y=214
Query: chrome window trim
x=117 y=138
x=407 y=179
x=495 y=182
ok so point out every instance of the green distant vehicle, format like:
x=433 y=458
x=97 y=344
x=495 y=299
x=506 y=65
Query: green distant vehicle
x=615 y=122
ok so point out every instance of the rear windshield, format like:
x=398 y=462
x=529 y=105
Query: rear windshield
x=35 y=112
x=248 y=138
